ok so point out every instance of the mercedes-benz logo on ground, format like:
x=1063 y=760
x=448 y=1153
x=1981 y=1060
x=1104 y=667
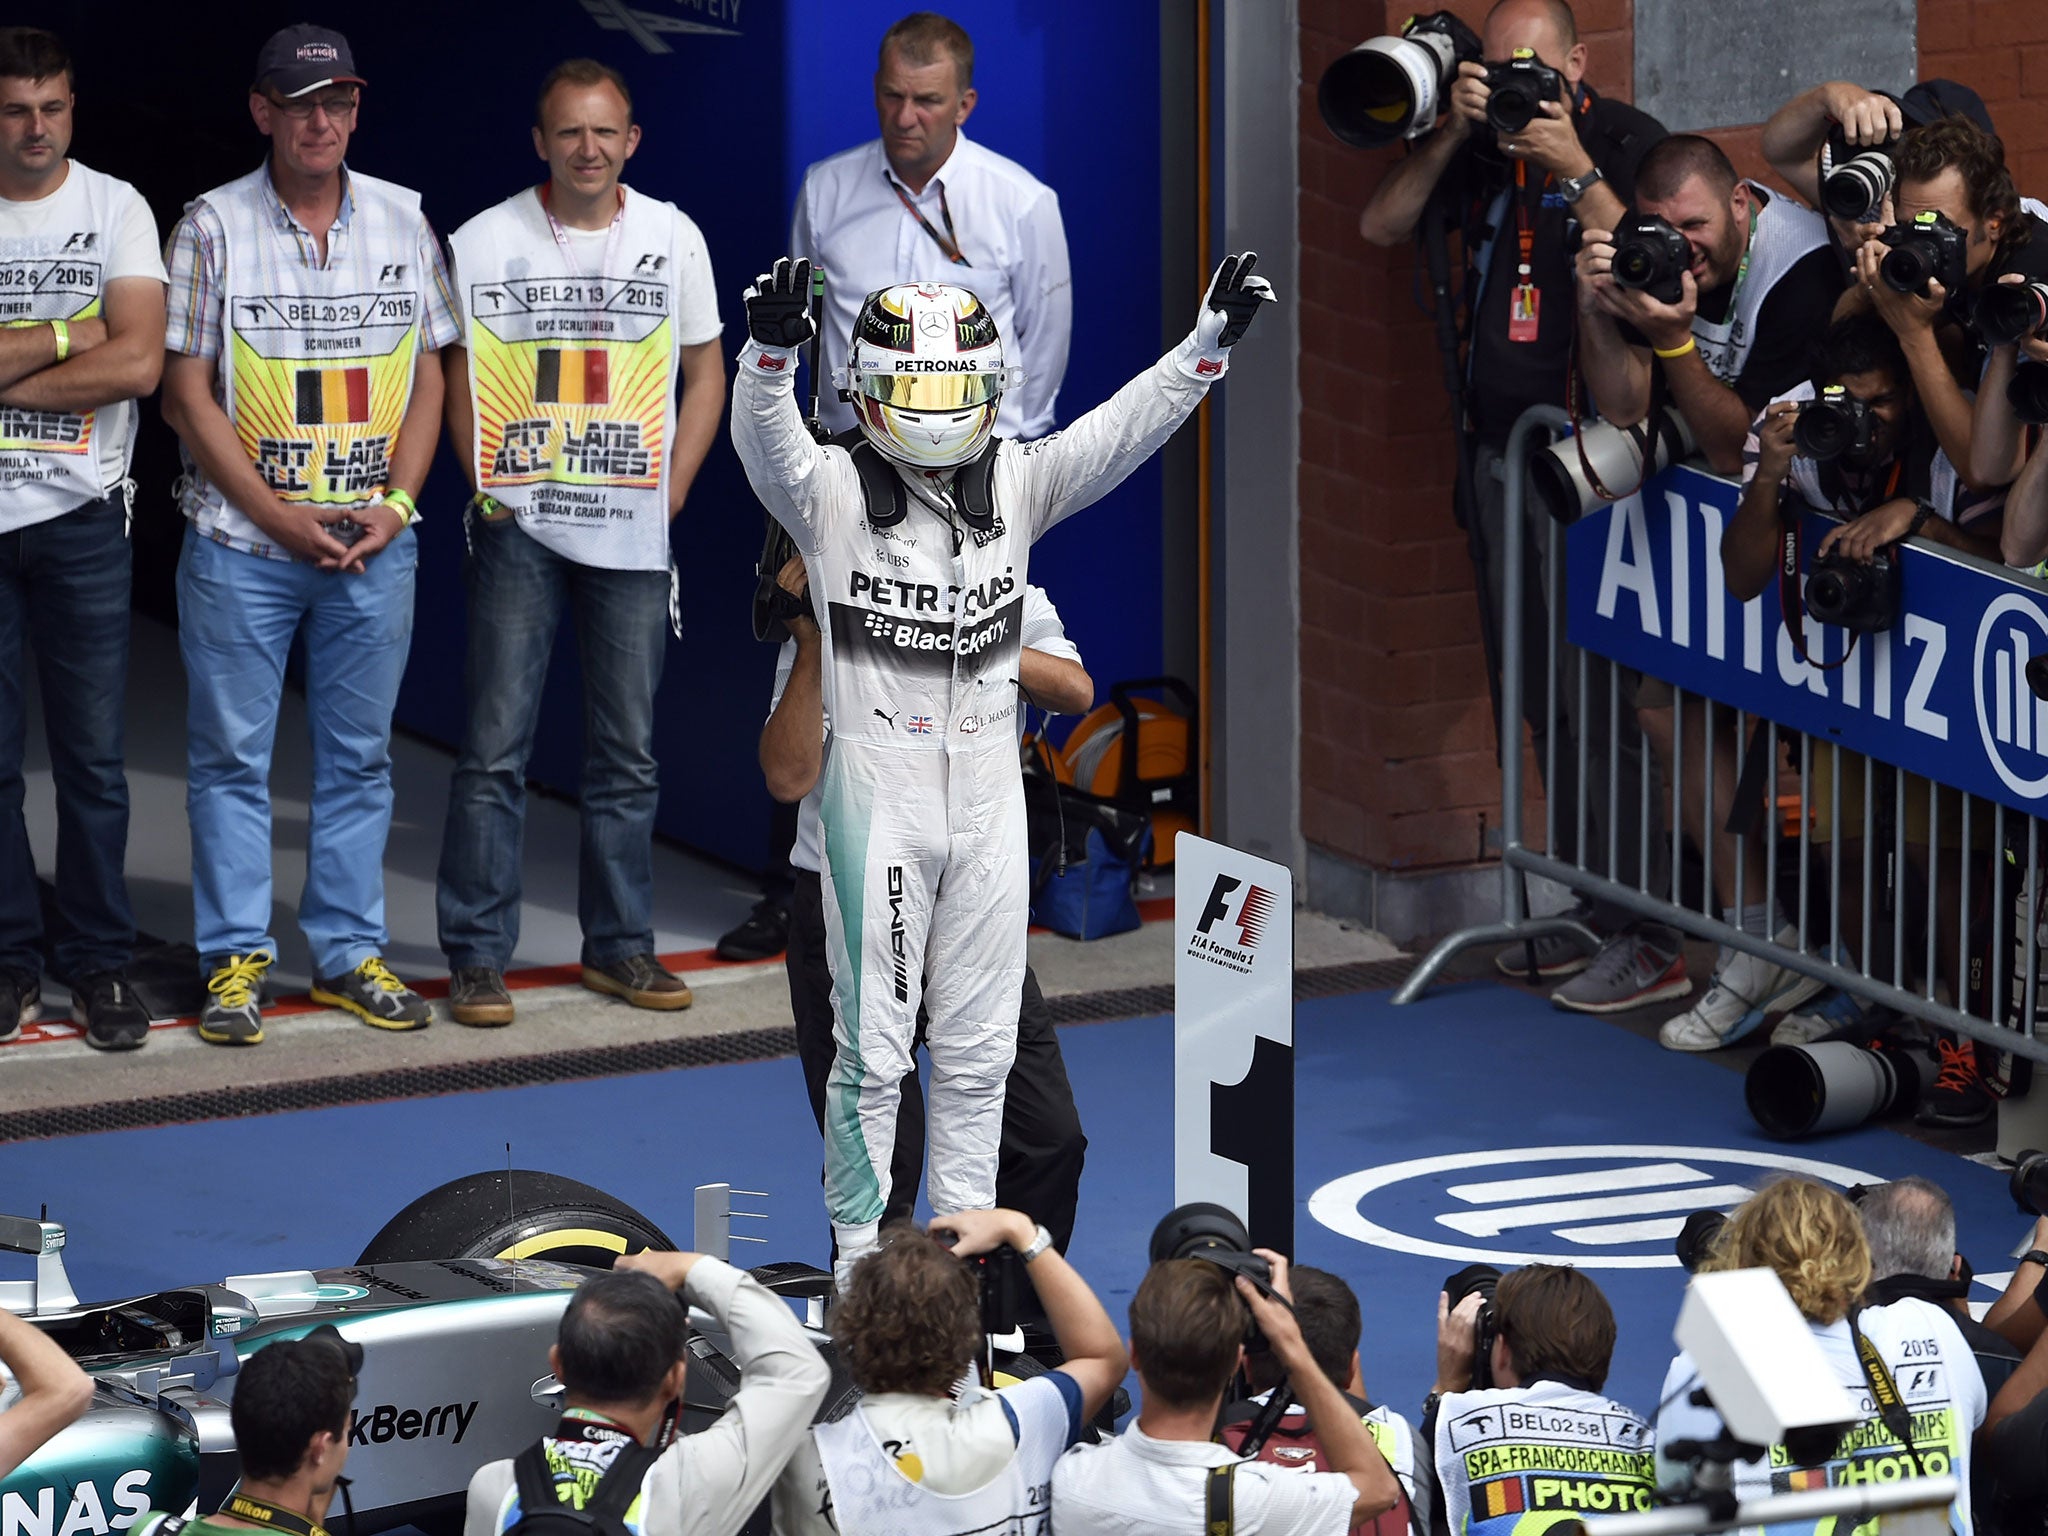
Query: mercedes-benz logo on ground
x=1598 y=1207
x=2012 y=721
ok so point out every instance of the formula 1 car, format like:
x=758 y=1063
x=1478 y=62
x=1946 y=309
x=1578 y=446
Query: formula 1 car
x=455 y=1303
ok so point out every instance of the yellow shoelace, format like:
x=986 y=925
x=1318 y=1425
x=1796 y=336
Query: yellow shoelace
x=374 y=969
x=234 y=982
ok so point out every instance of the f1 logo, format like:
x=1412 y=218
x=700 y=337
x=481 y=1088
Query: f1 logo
x=1217 y=905
x=394 y=272
x=649 y=262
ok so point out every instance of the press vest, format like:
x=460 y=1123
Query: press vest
x=1936 y=1377
x=870 y=1493
x=1516 y=1461
x=317 y=362
x=572 y=377
x=1783 y=233
x=50 y=460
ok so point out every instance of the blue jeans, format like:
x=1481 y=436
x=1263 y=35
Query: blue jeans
x=237 y=614
x=516 y=587
x=66 y=580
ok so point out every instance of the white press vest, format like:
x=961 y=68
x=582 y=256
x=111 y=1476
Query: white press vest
x=870 y=1495
x=317 y=363
x=51 y=461
x=1516 y=1461
x=572 y=378
x=1783 y=232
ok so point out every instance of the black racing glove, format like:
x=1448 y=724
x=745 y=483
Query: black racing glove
x=779 y=304
x=1234 y=296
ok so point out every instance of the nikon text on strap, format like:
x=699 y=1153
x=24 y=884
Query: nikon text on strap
x=243 y=1506
x=1884 y=1391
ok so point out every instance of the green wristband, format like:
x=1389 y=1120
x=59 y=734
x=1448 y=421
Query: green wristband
x=63 y=334
x=408 y=509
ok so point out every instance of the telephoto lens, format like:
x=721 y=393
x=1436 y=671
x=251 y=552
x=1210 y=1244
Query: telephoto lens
x=1396 y=87
x=1832 y=1085
x=2029 y=1184
x=1854 y=185
x=2010 y=312
x=2028 y=393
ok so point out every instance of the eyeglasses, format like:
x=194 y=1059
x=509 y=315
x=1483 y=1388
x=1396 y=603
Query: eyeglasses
x=339 y=106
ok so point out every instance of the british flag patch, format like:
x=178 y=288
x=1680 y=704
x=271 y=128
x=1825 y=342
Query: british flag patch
x=919 y=725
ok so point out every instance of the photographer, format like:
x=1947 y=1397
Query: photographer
x=1165 y=1474
x=2021 y=1313
x=912 y=1458
x=620 y=1355
x=1327 y=1311
x=1755 y=291
x=1043 y=1149
x=1809 y=1236
x=1513 y=197
x=1551 y=1340
x=290 y=1415
x=2014 y=1448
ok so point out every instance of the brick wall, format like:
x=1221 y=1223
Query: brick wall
x=1397 y=749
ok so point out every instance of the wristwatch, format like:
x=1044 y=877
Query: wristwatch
x=1575 y=187
x=1922 y=511
x=1039 y=1243
x=2034 y=1256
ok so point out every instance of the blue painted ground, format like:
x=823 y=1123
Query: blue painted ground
x=1473 y=1068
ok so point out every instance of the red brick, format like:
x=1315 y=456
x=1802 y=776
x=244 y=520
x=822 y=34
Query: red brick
x=1433 y=839
x=1946 y=25
x=2002 y=23
x=2023 y=125
x=1333 y=821
x=1593 y=16
x=1992 y=72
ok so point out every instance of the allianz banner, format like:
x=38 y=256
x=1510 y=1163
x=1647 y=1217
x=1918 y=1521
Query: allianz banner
x=1942 y=694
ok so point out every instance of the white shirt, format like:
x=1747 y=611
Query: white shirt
x=1042 y=632
x=696 y=293
x=129 y=249
x=1006 y=222
x=1134 y=1485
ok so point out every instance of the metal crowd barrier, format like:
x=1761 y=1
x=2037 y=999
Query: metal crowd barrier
x=1909 y=982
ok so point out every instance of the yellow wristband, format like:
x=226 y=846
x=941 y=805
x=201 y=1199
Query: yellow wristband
x=63 y=334
x=408 y=509
x=1691 y=345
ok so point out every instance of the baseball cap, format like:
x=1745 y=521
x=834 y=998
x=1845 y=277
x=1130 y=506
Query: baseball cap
x=1932 y=100
x=305 y=58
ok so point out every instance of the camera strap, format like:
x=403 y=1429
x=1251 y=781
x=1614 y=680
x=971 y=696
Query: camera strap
x=1884 y=1391
x=1792 y=608
x=1221 y=1497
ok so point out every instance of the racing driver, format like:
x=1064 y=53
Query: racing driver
x=916 y=533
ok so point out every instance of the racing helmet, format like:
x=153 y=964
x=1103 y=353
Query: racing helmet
x=926 y=373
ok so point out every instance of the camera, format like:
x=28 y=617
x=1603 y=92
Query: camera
x=1833 y=1085
x=2010 y=312
x=1212 y=1233
x=1396 y=87
x=1649 y=254
x=1480 y=1279
x=1856 y=594
x=1838 y=425
x=1695 y=1242
x=1000 y=1280
x=1620 y=458
x=2028 y=393
x=1930 y=249
x=1854 y=183
x=2029 y=1184
x=1517 y=88
x=773 y=607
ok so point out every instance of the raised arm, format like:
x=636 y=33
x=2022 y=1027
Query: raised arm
x=1793 y=137
x=1395 y=207
x=124 y=366
x=793 y=477
x=54 y=1391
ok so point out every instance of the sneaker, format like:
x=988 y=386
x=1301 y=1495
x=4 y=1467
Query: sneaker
x=1958 y=1096
x=1835 y=1012
x=477 y=996
x=1632 y=968
x=375 y=996
x=233 y=1014
x=640 y=980
x=1745 y=992
x=21 y=1002
x=1558 y=955
x=764 y=935
x=112 y=1013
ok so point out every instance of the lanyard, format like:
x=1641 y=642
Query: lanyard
x=948 y=243
x=1525 y=231
x=611 y=239
x=243 y=1506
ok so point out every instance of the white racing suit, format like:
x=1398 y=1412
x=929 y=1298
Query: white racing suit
x=922 y=804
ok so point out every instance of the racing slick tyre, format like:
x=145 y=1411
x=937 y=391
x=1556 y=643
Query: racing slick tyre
x=539 y=1216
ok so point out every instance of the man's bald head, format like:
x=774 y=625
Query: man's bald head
x=1546 y=27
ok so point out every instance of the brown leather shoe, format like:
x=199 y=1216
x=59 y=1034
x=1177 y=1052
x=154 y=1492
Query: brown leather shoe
x=477 y=997
x=641 y=981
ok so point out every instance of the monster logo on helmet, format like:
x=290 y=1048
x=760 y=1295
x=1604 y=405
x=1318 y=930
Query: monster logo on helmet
x=926 y=374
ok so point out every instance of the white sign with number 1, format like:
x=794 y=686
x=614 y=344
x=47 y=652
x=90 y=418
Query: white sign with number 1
x=1233 y=1036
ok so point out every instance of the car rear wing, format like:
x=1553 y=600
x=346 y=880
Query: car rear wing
x=44 y=1241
